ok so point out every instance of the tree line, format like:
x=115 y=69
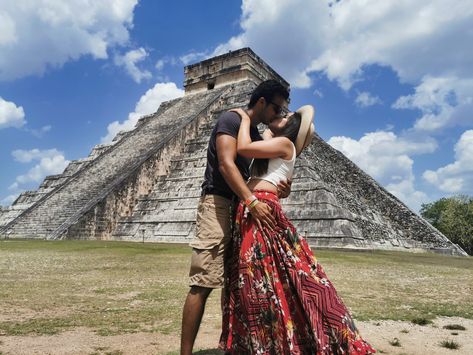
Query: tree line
x=453 y=216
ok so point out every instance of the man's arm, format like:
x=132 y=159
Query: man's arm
x=226 y=153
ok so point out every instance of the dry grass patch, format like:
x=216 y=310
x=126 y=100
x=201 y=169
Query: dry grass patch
x=450 y=344
x=454 y=327
x=119 y=287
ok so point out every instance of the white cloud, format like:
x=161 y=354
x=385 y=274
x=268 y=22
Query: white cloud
x=50 y=161
x=160 y=64
x=456 y=177
x=147 y=104
x=413 y=38
x=387 y=158
x=193 y=57
x=36 y=35
x=129 y=62
x=365 y=99
x=39 y=132
x=11 y=115
x=26 y=156
x=443 y=101
x=318 y=93
x=9 y=199
x=7 y=29
x=406 y=192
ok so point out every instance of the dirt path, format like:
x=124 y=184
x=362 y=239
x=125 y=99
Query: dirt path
x=413 y=339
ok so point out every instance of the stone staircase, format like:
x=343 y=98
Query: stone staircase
x=28 y=198
x=168 y=213
x=146 y=185
x=55 y=212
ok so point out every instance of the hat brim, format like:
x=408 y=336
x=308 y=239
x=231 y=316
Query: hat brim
x=306 y=131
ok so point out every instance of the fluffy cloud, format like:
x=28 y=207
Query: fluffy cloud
x=193 y=57
x=423 y=42
x=129 y=61
x=39 y=132
x=365 y=99
x=147 y=104
x=443 y=101
x=456 y=177
x=35 y=35
x=339 y=38
x=9 y=199
x=49 y=162
x=11 y=115
x=26 y=156
x=387 y=158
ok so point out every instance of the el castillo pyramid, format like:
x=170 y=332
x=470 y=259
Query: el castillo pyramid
x=145 y=185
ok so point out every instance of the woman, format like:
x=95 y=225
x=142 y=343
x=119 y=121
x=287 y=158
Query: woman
x=278 y=299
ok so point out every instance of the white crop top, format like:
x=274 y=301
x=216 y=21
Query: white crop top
x=279 y=169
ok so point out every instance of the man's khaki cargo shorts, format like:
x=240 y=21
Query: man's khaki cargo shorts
x=213 y=232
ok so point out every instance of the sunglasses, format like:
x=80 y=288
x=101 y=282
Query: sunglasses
x=279 y=110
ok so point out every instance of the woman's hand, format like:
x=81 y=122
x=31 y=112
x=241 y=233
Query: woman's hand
x=284 y=188
x=242 y=113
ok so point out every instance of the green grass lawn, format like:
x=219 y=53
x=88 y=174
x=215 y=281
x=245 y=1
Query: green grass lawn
x=117 y=287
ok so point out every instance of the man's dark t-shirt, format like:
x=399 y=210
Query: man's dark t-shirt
x=214 y=183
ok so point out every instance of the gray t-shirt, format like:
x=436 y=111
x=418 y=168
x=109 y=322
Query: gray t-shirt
x=214 y=183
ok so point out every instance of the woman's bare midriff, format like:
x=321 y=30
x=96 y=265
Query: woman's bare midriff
x=258 y=184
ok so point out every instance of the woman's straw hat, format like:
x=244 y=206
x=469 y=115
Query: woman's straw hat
x=306 y=131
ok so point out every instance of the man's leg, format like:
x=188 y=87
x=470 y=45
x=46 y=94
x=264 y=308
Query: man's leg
x=192 y=316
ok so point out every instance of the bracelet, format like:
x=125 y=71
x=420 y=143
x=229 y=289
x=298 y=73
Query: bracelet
x=253 y=204
x=249 y=200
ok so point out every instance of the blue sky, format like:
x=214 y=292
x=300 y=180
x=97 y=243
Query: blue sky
x=392 y=82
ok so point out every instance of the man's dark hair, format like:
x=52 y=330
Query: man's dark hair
x=290 y=130
x=268 y=89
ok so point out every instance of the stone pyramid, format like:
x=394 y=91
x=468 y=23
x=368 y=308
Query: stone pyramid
x=146 y=184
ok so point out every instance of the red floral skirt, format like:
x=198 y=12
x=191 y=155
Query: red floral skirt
x=277 y=298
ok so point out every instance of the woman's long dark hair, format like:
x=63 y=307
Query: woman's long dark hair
x=290 y=130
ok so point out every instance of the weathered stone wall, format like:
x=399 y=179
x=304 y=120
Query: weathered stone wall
x=384 y=221
x=28 y=199
x=146 y=184
x=51 y=216
x=168 y=213
x=233 y=67
x=100 y=221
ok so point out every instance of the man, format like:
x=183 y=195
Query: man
x=225 y=178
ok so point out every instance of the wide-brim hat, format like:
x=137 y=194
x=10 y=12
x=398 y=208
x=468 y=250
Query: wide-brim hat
x=306 y=130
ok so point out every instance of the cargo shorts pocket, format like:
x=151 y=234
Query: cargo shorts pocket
x=213 y=222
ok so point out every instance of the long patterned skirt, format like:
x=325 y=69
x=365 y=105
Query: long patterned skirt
x=277 y=298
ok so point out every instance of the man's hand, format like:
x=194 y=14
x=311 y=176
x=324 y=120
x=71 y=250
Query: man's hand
x=261 y=212
x=284 y=188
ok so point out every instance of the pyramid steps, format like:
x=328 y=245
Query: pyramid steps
x=64 y=206
x=146 y=185
x=169 y=212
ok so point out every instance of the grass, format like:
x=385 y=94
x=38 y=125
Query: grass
x=421 y=321
x=449 y=344
x=454 y=327
x=120 y=287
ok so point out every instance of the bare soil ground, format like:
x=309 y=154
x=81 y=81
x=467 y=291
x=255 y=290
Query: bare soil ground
x=413 y=339
x=110 y=298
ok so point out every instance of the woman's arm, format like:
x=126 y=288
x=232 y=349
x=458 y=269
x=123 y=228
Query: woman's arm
x=267 y=134
x=278 y=147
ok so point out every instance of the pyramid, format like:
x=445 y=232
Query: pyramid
x=145 y=185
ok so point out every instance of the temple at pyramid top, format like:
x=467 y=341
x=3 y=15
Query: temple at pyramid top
x=232 y=67
x=146 y=184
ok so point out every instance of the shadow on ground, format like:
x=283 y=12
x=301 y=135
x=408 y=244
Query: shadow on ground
x=209 y=352
x=201 y=352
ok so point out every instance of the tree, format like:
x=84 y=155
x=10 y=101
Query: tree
x=453 y=216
